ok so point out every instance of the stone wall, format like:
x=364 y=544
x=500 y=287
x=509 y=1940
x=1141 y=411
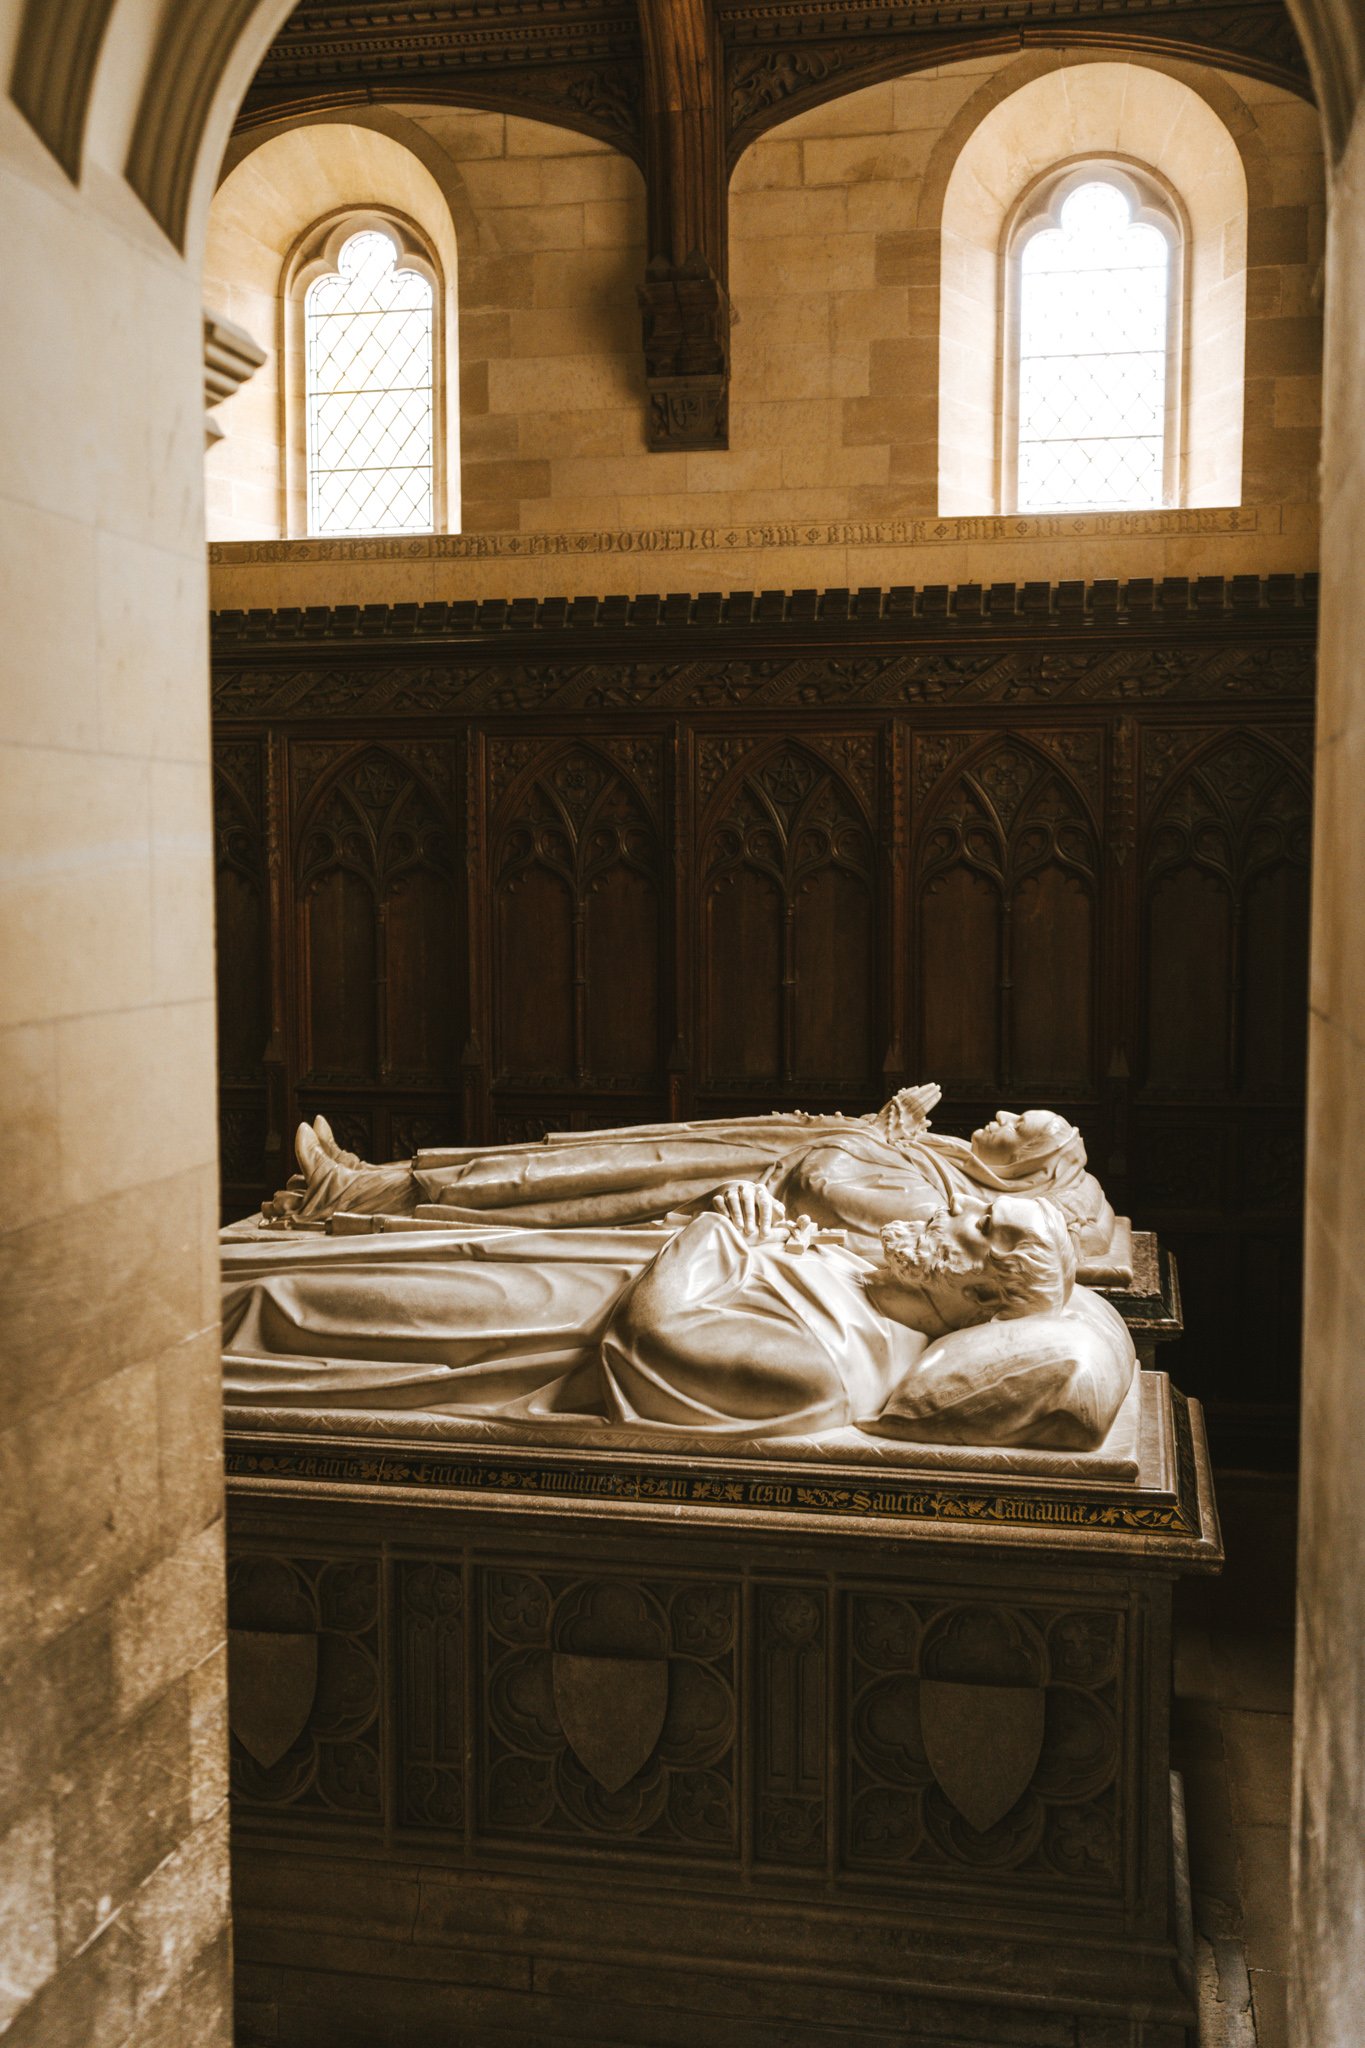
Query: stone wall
x=113 y=1864
x=835 y=278
x=1329 y=1988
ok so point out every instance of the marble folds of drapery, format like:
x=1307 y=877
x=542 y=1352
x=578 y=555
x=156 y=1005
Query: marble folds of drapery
x=844 y=1172
x=693 y=1330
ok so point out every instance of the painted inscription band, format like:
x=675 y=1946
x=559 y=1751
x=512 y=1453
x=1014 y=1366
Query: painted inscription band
x=292 y=1462
x=722 y=538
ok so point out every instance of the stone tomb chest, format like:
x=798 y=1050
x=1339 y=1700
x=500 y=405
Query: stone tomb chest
x=800 y=1744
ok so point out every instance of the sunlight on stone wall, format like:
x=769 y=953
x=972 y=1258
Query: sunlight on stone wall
x=113 y=1855
x=835 y=279
x=1330 y=1700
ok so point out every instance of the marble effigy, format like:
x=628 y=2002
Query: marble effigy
x=935 y=1309
x=853 y=1173
x=759 y=1608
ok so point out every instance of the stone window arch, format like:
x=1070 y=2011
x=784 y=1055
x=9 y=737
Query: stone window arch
x=1091 y=408
x=364 y=395
x=1003 y=177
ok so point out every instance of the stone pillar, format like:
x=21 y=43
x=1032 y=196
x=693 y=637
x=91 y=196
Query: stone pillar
x=113 y=1854
x=1328 y=1990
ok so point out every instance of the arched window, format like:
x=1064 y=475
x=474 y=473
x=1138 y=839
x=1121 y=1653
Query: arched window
x=368 y=337
x=1094 y=290
x=364 y=388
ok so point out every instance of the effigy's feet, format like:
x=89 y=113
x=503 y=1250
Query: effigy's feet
x=318 y=1188
x=323 y=1132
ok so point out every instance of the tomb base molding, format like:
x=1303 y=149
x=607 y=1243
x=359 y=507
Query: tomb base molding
x=536 y=1742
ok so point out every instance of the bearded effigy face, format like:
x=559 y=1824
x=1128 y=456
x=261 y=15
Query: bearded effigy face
x=943 y=1243
x=1011 y=1257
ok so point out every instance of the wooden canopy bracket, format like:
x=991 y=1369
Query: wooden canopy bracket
x=684 y=302
x=687 y=353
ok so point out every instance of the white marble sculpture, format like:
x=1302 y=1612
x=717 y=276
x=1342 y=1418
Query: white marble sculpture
x=850 y=1173
x=963 y=1326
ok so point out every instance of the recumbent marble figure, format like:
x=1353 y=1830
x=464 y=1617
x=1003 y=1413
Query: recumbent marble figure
x=855 y=1173
x=926 y=1291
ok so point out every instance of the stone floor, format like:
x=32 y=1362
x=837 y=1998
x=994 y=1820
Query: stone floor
x=1231 y=1741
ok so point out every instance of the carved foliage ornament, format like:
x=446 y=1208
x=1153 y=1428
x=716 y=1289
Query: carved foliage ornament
x=941 y=676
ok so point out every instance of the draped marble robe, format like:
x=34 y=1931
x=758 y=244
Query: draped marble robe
x=843 y=1172
x=635 y=1174
x=696 y=1330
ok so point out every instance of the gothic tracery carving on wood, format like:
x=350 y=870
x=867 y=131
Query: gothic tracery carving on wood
x=576 y=881
x=376 y=868
x=1228 y=841
x=787 y=884
x=1007 y=875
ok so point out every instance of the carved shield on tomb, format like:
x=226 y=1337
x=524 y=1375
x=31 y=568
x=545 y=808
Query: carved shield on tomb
x=272 y=1680
x=612 y=1712
x=983 y=1744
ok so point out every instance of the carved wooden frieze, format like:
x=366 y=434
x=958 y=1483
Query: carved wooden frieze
x=782 y=56
x=896 y=649
x=943 y=677
x=575 y=61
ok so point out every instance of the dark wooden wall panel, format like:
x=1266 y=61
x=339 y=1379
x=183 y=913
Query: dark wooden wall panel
x=485 y=873
x=958 y=980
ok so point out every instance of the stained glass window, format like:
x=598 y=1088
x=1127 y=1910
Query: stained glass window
x=368 y=343
x=1092 y=365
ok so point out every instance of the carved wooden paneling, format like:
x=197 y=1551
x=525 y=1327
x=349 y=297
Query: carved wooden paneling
x=702 y=856
x=577 y=904
x=1227 y=914
x=243 y=961
x=377 y=882
x=243 y=991
x=787 y=886
x=1007 y=878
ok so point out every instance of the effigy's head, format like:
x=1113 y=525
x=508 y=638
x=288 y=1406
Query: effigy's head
x=979 y=1262
x=1016 y=1142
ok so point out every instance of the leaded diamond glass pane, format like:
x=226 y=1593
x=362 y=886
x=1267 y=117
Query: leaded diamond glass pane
x=368 y=331
x=1092 y=359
